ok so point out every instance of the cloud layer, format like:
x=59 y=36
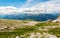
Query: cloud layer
x=49 y=6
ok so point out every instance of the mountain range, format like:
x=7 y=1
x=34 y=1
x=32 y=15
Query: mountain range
x=29 y=16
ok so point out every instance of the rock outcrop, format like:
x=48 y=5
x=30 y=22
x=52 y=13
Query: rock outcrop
x=57 y=20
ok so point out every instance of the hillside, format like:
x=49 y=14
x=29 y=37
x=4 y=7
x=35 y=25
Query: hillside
x=28 y=29
x=14 y=24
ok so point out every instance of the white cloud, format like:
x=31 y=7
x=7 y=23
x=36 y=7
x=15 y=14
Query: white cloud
x=51 y=6
x=47 y=7
x=8 y=10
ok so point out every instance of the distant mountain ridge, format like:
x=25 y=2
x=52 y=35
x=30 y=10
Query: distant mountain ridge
x=27 y=16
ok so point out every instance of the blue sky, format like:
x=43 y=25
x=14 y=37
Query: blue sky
x=19 y=3
x=21 y=6
x=16 y=3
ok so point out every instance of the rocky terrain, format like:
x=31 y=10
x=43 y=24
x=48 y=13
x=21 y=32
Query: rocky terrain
x=29 y=29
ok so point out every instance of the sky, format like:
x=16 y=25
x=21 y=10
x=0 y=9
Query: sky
x=29 y=6
x=19 y=3
x=16 y=3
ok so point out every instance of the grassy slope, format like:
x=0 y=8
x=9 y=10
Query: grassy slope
x=46 y=27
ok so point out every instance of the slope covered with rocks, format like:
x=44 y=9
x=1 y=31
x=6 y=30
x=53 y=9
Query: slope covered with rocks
x=29 y=29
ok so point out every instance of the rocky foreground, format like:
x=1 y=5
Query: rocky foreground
x=29 y=29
